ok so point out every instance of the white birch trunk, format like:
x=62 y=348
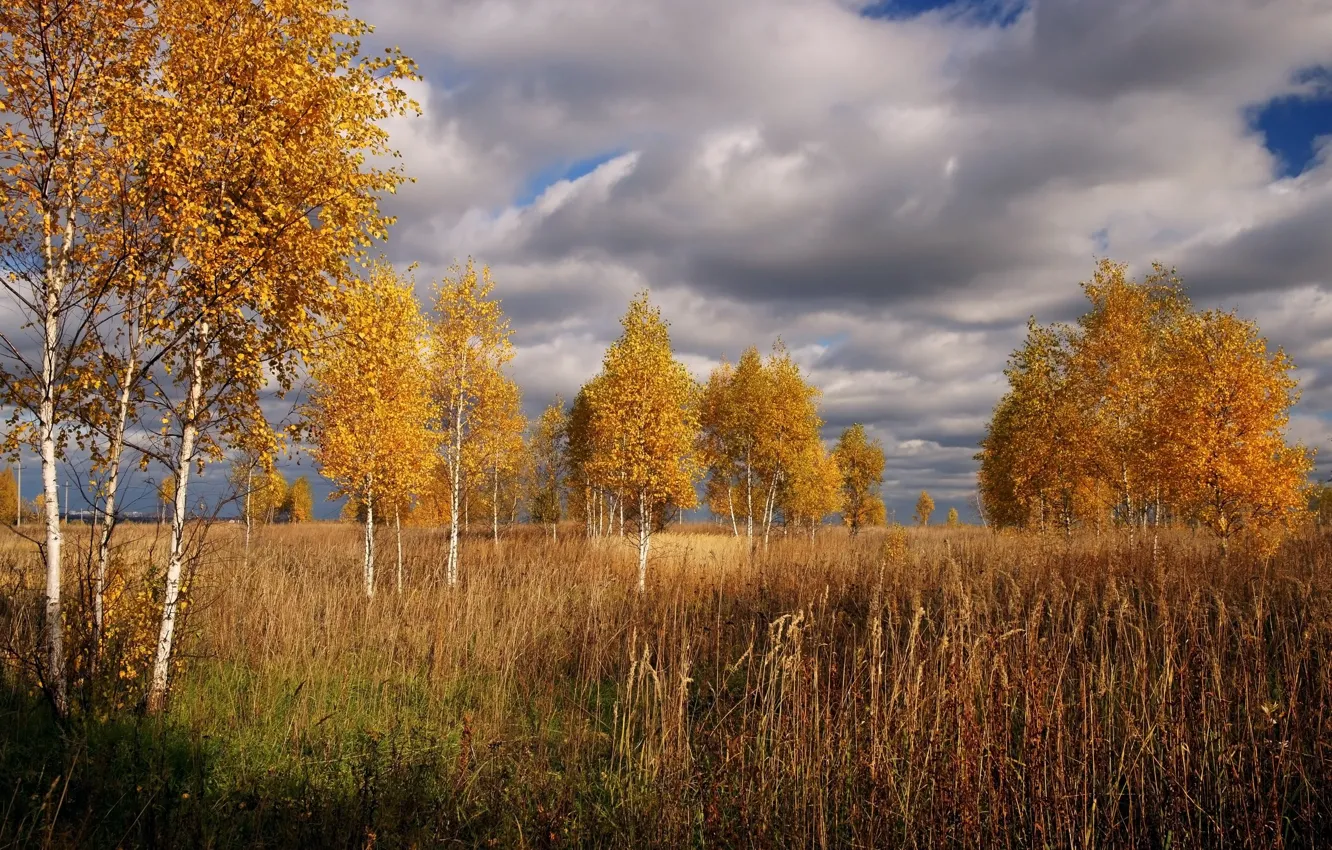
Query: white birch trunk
x=643 y=540
x=55 y=651
x=370 y=542
x=455 y=473
x=730 y=505
x=189 y=433
x=249 y=488
x=56 y=273
x=397 y=531
x=109 y=518
x=749 y=501
x=768 y=509
x=494 y=507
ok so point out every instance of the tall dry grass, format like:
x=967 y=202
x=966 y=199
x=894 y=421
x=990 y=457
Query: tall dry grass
x=953 y=688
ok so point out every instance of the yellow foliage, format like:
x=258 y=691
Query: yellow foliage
x=370 y=405
x=860 y=462
x=643 y=417
x=924 y=507
x=1145 y=411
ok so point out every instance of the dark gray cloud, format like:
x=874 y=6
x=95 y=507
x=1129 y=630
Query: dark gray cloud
x=893 y=198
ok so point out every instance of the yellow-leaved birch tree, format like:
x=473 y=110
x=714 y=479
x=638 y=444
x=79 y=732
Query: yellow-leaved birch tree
x=497 y=448
x=860 y=461
x=812 y=489
x=547 y=463
x=1226 y=460
x=469 y=347
x=643 y=411
x=259 y=127
x=788 y=430
x=65 y=231
x=370 y=406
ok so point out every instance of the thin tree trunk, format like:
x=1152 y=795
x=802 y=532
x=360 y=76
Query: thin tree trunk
x=189 y=433
x=456 y=473
x=55 y=652
x=1130 y=519
x=768 y=509
x=749 y=501
x=369 y=567
x=643 y=539
x=494 y=507
x=730 y=505
x=397 y=532
x=55 y=275
x=249 y=488
x=109 y=521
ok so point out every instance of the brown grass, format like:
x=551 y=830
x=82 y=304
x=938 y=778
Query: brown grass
x=972 y=690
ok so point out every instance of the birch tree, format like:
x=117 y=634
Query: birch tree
x=1118 y=380
x=370 y=407
x=736 y=408
x=469 y=348
x=924 y=508
x=63 y=68
x=1227 y=460
x=497 y=447
x=548 y=453
x=300 y=501
x=581 y=446
x=9 y=498
x=812 y=490
x=860 y=461
x=1145 y=410
x=256 y=128
x=643 y=409
x=789 y=430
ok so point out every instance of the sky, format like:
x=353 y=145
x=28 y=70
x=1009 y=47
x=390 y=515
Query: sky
x=892 y=188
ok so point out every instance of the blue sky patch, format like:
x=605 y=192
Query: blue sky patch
x=1101 y=241
x=1000 y=12
x=560 y=170
x=1291 y=125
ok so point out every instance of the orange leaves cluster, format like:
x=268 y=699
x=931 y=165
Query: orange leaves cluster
x=1223 y=424
x=1145 y=412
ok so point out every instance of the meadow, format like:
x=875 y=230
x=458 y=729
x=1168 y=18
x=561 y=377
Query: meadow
x=940 y=687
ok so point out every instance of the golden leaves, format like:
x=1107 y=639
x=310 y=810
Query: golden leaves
x=371 y=408
x=860 y=461
x=1145 y=411
x=641 y=415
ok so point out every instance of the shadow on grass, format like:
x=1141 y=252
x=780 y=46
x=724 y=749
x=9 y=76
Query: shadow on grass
x=144 y=782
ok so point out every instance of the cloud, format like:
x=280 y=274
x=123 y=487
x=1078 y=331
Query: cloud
x=893 y=196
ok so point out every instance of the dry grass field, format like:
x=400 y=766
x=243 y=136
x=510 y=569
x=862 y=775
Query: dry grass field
x=935 y=688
